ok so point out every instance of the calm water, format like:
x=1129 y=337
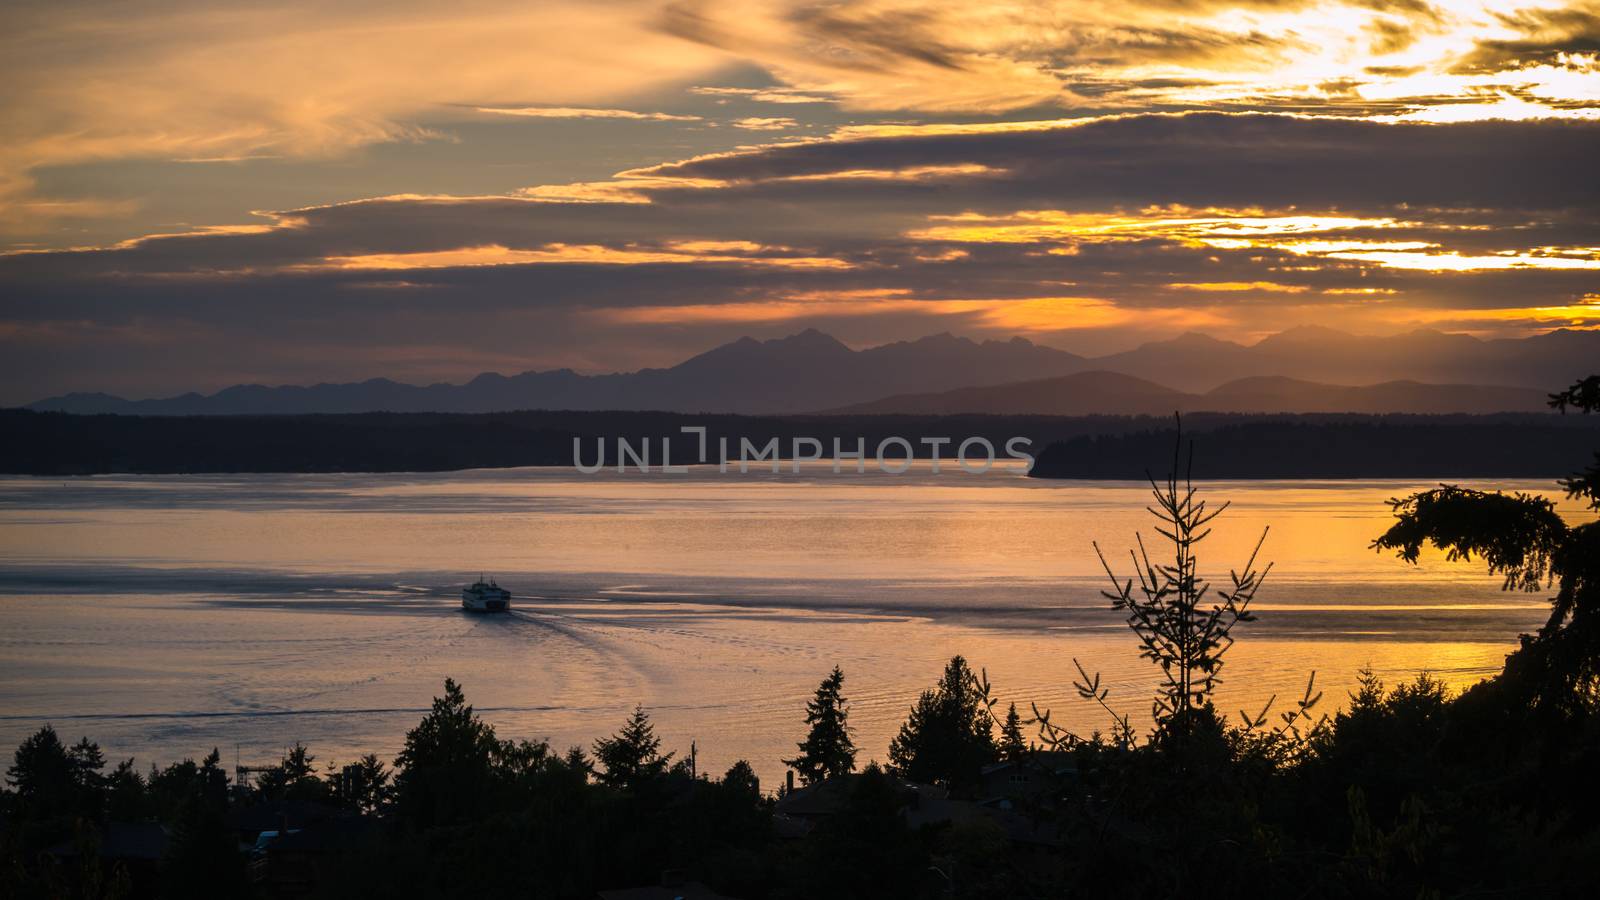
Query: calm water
x=163 y=616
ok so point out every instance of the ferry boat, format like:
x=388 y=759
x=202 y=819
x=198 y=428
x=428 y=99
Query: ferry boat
x=485 y=596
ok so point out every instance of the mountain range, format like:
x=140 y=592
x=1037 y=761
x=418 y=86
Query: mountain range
x=812 y=371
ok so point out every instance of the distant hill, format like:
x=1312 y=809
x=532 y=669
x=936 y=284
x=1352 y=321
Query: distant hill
x=1265 y=394
x=813 y=371
x=1110 y=393
x=1196 y=362
x=1082 y=394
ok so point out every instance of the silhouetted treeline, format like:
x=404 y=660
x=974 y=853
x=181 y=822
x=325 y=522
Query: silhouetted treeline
x=1375 y=447
x=1408 y=792
x=63 y=444
x=1095 y=446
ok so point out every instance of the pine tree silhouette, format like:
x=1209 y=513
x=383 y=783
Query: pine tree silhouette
x=948 y=736
x=632 y=755
x=827 y=750
x=1013 y=746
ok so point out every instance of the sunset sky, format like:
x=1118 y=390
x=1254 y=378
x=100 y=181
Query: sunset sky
x=198 y=194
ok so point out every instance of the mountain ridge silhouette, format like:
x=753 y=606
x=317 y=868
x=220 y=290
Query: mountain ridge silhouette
x=810 y=371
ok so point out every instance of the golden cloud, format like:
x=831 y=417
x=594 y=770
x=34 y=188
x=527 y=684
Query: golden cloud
x=591 y=254
x=1230 y=229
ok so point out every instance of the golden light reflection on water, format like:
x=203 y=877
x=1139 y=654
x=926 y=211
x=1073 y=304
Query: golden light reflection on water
x=913 y=526
x=181 y=613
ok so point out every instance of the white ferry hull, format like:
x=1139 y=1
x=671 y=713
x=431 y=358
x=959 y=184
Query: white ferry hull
x=485 y=598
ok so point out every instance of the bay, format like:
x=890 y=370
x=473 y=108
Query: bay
x=166 y=615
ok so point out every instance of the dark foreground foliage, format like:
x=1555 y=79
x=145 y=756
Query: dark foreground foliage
x=1408 y=792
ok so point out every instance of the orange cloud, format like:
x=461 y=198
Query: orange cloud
x=1583 y=314
x=1239 y=286
x=1035 y=315
x=767 y=123
x=499 y=255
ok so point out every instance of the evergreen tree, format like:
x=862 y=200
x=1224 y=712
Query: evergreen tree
x=827 y=750
x=295 y=778
x=1013 y=746
x=1183 y=626
x=203 y=858
x=52 y=779
x=364 y=785
x=578 y=762
x=1526 y=541
x=186 y=784
x=126 y=798
x=632 y=756
x=741 y=779
x=300 y=763
x=447 y=765
x=41 y=774
x=87 y=761
x=949 y=735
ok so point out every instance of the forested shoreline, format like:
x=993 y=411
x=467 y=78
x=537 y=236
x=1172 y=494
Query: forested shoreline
x=1093 y=447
